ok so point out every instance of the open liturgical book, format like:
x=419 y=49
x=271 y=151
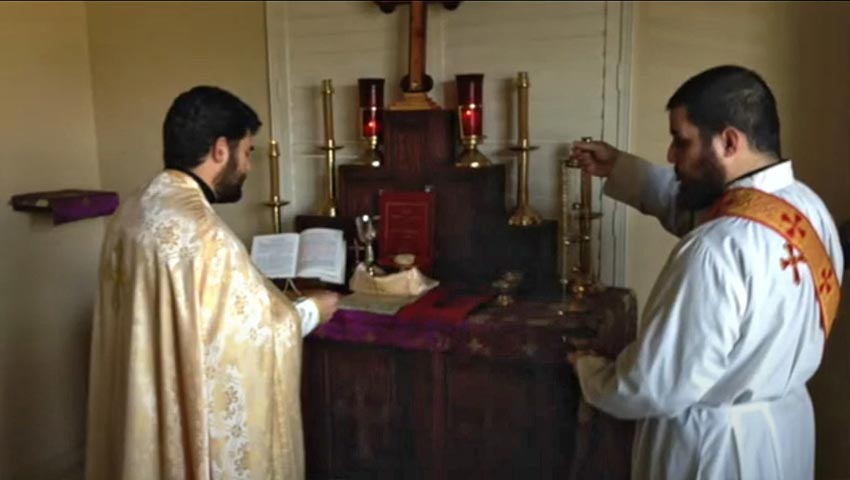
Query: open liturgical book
x=313 y=253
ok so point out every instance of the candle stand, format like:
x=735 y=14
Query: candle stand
x=524 y=215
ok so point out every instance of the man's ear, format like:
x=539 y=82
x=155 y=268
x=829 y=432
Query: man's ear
x=732 y=141
x=220 y=150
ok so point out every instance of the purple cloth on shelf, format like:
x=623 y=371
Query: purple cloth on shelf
x=68 y=205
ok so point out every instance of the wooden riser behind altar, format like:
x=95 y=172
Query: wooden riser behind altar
x=473 y=241
x=490 y=398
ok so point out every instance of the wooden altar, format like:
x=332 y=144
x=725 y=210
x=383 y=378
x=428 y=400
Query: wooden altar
x=489 y=397
x=485 y=394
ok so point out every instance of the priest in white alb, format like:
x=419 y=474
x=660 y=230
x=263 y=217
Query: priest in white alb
x=736 y=323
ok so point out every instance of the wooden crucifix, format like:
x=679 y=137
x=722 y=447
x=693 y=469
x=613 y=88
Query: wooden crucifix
x=416 y=84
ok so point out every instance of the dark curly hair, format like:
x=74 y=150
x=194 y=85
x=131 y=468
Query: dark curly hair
x=200 y=116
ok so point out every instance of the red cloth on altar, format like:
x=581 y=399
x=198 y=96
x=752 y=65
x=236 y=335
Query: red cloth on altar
x=441 y=306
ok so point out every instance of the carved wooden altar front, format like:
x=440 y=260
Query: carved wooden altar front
x=491 y=398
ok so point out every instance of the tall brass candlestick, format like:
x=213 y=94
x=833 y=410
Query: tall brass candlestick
x=523 y=216
x=584 y=222
x=522 y=101
x=584 y=229
x=576 y=279
x=274 y=171
x=565 y=270
x=328 y=110
x=587 y=281
x=274 y=167
x=329 y=206
x=590 y=267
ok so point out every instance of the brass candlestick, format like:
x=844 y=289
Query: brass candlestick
x=572 y=290
x=589 y=267
x=524 y=215
x=328 y=208
x=275 y=202
x=582 y=279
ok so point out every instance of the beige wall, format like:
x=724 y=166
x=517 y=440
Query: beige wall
x=83 y=89
x=803 y=52
x=47 y=273
x=54 y=92
x=144 y=54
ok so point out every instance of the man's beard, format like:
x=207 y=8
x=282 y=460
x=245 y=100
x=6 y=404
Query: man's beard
x=228 y=183
x=708 y=186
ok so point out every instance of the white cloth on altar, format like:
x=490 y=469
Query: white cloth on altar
x=407 y=283
x=726 y=343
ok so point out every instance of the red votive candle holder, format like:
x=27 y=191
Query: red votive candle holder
x=371 y=105
x=469 y=99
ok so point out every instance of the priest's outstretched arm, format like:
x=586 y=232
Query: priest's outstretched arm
x=651 y=189
x=648 y=187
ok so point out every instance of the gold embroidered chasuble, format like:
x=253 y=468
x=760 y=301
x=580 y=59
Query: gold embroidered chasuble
x=196 y=356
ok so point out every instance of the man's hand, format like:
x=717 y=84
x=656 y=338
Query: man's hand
x=573 y=356
x=596 y=158
x=326 y=301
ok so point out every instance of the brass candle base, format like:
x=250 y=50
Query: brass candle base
x=577 y=302
x=471 y=157
x=328 y=209
x=524 y=216
x=371 y=156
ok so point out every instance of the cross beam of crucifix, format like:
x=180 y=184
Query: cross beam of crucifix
x=416 y=83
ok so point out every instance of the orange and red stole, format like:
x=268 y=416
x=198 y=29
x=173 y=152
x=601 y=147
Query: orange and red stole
x=804 y=245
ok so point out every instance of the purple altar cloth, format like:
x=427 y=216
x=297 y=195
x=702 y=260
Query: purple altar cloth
x=528 y=329
x=386 y=330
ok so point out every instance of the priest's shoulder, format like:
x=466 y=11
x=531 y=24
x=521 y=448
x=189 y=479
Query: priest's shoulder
x=734 y=238
x=174 y=194
x=173 y=215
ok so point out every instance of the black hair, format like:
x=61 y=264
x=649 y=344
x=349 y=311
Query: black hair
x=731 y=96
x=200 y=116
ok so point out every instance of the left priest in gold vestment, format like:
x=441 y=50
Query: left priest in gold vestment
x=196 y=356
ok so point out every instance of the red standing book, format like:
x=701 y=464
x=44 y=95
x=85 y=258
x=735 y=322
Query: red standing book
x=406 y=227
